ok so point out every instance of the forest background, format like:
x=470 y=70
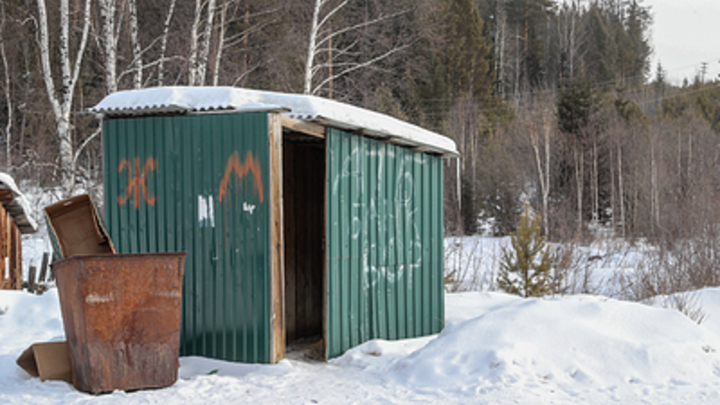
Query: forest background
x=550 y=102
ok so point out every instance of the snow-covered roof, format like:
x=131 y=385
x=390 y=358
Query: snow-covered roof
x=16 y=204
x=318 y=110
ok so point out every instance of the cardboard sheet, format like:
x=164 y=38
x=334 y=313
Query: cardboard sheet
x=76 y=227
x=49 y=361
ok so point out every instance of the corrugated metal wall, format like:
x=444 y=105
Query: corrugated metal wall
x=384 y=242
x=199 y=183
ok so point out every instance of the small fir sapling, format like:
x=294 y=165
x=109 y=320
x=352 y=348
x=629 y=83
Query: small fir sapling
x=525 y=269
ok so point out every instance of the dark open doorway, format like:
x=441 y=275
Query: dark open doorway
x=304 y=230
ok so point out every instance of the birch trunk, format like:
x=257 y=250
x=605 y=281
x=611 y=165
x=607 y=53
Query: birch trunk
x=62 y=101
x=613 y=192
x=192 y=60
x=163 y=42
x=321 y=35
x=543 y=166
x=654 y=186
x=596 y=185
x=109 y=41
x=8 y=98
x=205 y=49
x=312 y=46
x=621 y=188
x=221 y=44
x=579 y=163
x=200 y=47
x=137 y=50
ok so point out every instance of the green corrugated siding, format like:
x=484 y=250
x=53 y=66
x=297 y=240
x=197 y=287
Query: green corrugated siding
x=384 y=242
x=176 y=204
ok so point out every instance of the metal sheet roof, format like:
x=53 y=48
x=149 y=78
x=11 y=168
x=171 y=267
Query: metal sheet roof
x=331 y=113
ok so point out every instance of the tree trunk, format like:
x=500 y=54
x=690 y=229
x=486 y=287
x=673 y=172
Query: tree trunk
x=192 y=59
x=579 y=163
x=621 y=189
x=109 y=41
x=543 y=165
x=62 y=101
x=221 y=44
x=613 y=193
x=8 y=93
x=596 y=182
x=312 y=47
x=137 y=50
x=205 y=49
x=654 y=202
x=163 y=43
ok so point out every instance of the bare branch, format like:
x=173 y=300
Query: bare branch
x=358 y=66
x=79 y=150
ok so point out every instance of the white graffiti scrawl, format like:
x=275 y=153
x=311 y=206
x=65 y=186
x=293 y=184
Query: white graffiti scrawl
x=387 y=205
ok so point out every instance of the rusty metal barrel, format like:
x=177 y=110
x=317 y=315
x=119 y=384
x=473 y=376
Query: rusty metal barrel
x=122 y=319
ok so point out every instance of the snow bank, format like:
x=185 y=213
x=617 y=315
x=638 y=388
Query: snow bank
x=570 y=342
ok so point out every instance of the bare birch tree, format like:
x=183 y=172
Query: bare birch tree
x=163 y=42
x=322 y=36
x=542 y=125
x=62 y=99
x=200 y=42
x=109 y=40
x=136 y=48
x=8 y=92
x=571 y=37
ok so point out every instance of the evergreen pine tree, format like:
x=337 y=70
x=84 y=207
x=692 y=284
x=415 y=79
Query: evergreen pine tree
x=525 y=269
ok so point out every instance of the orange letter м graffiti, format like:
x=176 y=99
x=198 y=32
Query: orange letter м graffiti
x=250 y=165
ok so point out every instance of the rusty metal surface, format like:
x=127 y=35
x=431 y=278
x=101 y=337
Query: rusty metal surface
x=122 y=319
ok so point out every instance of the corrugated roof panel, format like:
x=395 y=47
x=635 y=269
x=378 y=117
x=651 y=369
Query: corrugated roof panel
x=308 y=108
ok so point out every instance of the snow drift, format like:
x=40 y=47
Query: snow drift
x=574 y=340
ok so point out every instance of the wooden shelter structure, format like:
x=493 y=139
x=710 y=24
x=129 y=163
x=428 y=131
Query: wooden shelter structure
x=303 y=218
x=15 y=220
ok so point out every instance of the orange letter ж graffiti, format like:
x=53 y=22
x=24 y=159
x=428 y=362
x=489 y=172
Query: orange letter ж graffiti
x=136 y=185
x=249 y=165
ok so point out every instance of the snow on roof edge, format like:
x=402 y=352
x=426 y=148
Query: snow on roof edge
x=311 y=108
x=19 y=207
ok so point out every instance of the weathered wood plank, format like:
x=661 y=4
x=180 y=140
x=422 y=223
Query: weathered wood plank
x=44 y=267
x=277 y=351
x=304 y=127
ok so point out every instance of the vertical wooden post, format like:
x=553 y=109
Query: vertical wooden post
x=7 y=273
x=31 y=279
x=44 y=267
x=15 y=252
x=277 y=280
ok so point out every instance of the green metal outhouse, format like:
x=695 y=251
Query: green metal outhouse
x=305 y=220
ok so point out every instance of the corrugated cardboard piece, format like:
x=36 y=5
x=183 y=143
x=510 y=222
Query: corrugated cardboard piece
x=49 y=361
x=76 y=229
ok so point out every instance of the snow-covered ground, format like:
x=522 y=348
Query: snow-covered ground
x=495 y=348
x=605 y=267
